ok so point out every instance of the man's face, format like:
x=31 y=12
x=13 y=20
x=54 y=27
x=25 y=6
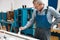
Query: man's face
x=38 y=6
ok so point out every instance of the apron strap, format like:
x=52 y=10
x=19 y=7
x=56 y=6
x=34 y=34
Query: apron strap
x=46 y=10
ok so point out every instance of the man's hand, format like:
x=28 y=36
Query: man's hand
x=21 y=28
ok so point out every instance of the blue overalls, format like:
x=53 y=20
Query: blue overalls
x=42 y=30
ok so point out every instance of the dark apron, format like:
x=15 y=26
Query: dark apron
x=42 y=30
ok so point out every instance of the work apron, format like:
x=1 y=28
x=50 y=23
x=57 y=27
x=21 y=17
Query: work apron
x=42 y=30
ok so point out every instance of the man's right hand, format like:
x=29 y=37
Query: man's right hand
x=21 y=28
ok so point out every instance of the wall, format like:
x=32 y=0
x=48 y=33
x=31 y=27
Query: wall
x=6 y=5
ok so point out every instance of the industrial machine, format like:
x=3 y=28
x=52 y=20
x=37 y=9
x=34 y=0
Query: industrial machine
x=24 y=16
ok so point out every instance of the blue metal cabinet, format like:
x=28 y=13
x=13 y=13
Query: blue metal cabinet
x=15 y=15
x=0 y=16
x=15 y=24
x=4 y=17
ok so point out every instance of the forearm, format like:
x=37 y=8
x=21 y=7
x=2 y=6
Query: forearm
x=29 y=24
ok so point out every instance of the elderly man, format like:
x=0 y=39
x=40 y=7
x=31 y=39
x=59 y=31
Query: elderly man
x=42 y=16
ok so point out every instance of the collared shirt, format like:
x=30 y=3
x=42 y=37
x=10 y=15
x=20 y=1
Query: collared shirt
x=50 y=14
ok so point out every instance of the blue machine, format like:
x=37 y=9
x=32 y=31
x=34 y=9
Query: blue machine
x=19 y=17
x=15 y=24
x=0 y=16
x=53 y=3
x=3 y=16
x=16 y=18
x=26 y=14
x=15 y=15
x=29 y=31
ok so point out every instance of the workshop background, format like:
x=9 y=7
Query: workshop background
x=16 y=13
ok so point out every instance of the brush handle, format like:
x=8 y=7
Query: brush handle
x=19 y=31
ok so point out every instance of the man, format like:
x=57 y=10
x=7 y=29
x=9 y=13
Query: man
x=42 y=16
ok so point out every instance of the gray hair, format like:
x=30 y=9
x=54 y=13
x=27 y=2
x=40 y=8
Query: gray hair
x=39 y=1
